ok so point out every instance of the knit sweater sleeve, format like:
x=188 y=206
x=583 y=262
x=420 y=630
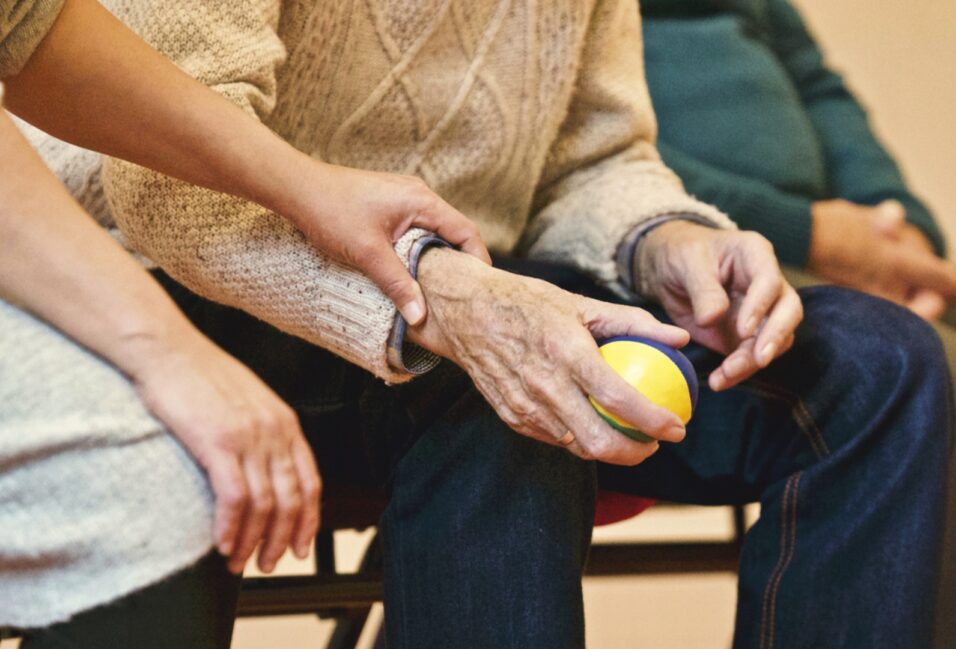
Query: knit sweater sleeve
x=859 y=168
x=604 y=176
x=23 y=24
x=226 y=249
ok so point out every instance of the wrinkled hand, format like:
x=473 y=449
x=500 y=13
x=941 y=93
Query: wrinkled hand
x=262 y=471
x=356 y=216
x=724 y=287
x=873 y=249
x=530 y=349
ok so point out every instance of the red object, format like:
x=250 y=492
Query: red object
x=613 y=507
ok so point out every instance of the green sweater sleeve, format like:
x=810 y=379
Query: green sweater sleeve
x=859 y=168
x=755 y=205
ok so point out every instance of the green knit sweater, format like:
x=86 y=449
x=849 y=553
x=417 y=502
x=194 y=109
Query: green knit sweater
x=755 y=122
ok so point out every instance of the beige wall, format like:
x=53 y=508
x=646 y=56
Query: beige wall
x=900 y=58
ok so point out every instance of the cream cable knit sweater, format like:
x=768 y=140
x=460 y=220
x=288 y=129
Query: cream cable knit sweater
x=532 y=118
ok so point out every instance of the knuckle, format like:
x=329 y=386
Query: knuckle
x=599 y=446
x=235 y=496
x=289 y=504
x=311 y=489
x=263 y=504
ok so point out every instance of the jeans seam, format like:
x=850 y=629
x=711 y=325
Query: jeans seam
x=798 y=408
x=788 y=542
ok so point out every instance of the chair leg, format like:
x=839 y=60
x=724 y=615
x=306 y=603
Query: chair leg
x=349 y=626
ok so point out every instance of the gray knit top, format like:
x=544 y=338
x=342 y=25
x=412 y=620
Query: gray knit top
x=96 y=499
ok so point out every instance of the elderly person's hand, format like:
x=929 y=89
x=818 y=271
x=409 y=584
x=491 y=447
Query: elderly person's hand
x=724 y=287
x=873 y=249
x=530 y=349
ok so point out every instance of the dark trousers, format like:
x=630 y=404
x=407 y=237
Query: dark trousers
x=843 y=442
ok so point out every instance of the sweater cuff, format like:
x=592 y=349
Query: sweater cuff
x=22 y=28
x=404 y=355
x=628 y=246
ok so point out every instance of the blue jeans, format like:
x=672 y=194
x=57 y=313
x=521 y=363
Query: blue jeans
x=843 y=441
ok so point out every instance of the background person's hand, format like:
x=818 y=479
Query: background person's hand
x=725 y=287
x=356 y=216
x=873 y=249
x=889 y=219
x=530 y=349
x=263 y=474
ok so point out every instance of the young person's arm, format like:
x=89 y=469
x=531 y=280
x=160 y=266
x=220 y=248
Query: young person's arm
x=92 y=82
x=60 y=265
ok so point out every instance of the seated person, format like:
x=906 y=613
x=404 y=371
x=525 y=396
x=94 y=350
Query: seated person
x=533 y=119
x=107 y=520
x=753 y=121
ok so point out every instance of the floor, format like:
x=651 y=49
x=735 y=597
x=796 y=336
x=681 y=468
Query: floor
x=685 y=612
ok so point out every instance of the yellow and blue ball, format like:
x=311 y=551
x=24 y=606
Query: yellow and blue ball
x=659 y=372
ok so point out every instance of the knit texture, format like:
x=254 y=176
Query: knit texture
x=756 y=122
x=531 y=118
x=97 y=500
x=23 y=24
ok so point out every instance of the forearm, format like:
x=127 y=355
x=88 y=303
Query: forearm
x=91 y=92
x=57 y=263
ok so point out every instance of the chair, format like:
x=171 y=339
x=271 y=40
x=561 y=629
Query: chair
x=348 y=598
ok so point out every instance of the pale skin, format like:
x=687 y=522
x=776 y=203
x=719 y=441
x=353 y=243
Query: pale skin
x=530 y=347
x=873 y=249
x=116 y=95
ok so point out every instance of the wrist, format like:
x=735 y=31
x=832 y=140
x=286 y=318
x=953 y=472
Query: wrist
x=450 y=281
x=655 y=243
x=143 y=349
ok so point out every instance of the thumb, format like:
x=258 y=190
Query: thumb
x=889 y=218
x=387 y=271
x=707 y=296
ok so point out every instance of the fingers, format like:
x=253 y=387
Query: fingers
x=257 y=513
x=598 y=379
x=229 y=485
x=285 y=515
x=925 y=271
x=452 y=226
x=606 y=320
x=310 y=486
x=708 y=298
x=889 y=218
x=387 y=271
x=761 y=296
x=928 y=305
x=739 y=365
x=785 y=316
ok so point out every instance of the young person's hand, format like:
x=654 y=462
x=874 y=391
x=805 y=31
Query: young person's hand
x=263 y=475
x=356 y=216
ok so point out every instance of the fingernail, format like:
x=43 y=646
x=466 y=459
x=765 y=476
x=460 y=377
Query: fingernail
x=225 y=548
x=766 y=354
x=677 y=431
x=412 y=312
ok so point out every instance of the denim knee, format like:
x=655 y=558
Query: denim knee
x=867 y=355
